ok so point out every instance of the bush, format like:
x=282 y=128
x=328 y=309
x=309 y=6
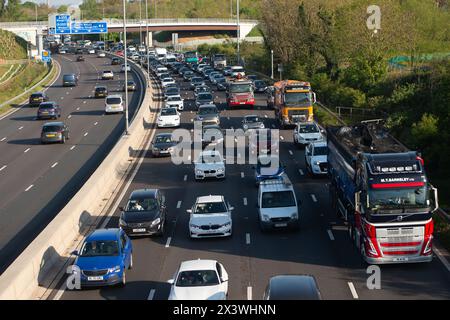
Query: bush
x=348 y=97
x=424 y=131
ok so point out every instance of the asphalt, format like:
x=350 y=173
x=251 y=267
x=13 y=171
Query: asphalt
x=321 y=248
x=38 y=180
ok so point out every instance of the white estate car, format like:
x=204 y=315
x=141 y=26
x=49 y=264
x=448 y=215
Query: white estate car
x=101 y=54
x=199 y=280
x=210 y=216
x=107 y=75
x=168 y=117
x=114 y=104
x=175 y=102
x=316 y=157
x=166 y=81
x=306 y=132
x=210 y=164
x=122 y=68
x=237 y=70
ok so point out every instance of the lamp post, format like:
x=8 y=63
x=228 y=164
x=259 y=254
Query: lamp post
x=271 y=61
x=238 y=34
x=140 y=22
x=146 y=41
x=125 y=63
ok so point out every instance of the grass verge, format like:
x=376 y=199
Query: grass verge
x=27 y=78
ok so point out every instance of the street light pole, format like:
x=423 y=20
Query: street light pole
x=271 y=59
x=238 y=34
x=140 y=22
x=146 y=41
x=125 y=63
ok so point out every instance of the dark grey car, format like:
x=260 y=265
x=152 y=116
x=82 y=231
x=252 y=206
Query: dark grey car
x=70 y=80
x=204 y=98
x=48 y=110
x=252 y=122
x=212 y=135
x=208 y=114
x=292 y=287
x=162 y=145
x=54 y=132
x=144 y=214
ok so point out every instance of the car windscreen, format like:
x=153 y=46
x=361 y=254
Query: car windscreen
x=308 y=128
x=100 y=89
x=46 y=106
x=252 y=119
x=113 y=100
x=68 y=77
x=197 y=278
x=169 y=112
x=240 y=88
x=131 y=83
x=142 y=204
x=174 y=98
x=100 y=248
x=51 y=128
x=207 y=110
x=206 y=96
x=208 y=208
x=260 y=83
x=278 y=199
x=163 y=139
x=237 y=69
x=320 y=151
x=37 y=95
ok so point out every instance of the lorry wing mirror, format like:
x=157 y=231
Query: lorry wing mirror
x=436 y=201
x=357 y=200
x=314 y=97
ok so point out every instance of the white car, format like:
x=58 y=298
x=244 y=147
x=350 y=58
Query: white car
x=210 y=216
x=160 y=70
x=91 y=51
x=167 y=81
x=306 y=132
x=199 y=280
x=101 y=54
x=175 y=102
x=168 y=117
x=210 y=164
x=237 y=70
x=122 y=68
x=108 y=75
x=114 y=104
x=316 y=158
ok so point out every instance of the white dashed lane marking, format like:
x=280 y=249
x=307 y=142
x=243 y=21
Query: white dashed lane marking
x=2 y=168
x=151 y=294
x=3 y=139
x=86 y=134
x=28 y=189
x=72 y=147
x=301 y=172
x=168 y=241
x=28 y=149
x=21 y=128
x=179 y=204
x=314 y=198
x=330 y=234
x=352 y=290
x=55 y=164
x=245 y=201
x=185 y=177
x=247 y=238
x=242 y=175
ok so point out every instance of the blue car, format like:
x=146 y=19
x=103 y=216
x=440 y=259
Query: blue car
x=268 y=167
x=105 y=256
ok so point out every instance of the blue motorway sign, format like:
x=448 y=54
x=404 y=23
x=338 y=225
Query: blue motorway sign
x=89 y=27
x=62 y=24
x=46 y=57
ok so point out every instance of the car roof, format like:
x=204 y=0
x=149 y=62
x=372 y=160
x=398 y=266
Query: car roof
x=100 y=87
x=59 y=123
x=209 y=153
x=104 y=234
x=143 y=193
x=113 y=96
x=38 y=92
x=164 y=134
x=297 y=287
x=319 y=143
x=210 y=198
x=197 y=265
x=307 y=123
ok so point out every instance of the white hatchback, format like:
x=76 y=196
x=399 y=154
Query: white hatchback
x=168 y=117
x=199 y=280
x=114 y=104
x=210 y=216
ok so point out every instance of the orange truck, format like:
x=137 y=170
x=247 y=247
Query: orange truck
x=293 y=102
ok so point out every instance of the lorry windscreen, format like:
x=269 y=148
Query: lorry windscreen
x=397 y=198
x=278 y=199
x=301 y=99
x=240 y=88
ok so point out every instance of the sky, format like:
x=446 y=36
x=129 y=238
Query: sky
x=57 y=3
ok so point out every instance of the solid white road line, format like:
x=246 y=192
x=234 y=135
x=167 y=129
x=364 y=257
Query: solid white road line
x=55 y=164
x=353 y=290
x=242 y=175
x=2 y=168
x=27 y=150
x=3 y=139
x=151 y=294
x=247 y=238
x=249 y=293
x=72 y=147
x=179 y=204
x=245 y=201
x=330 y=234
x=440 y=256
x=168 y=241
x=301 y=172
x=28 y=189
x=185 y=177
x=314 y=198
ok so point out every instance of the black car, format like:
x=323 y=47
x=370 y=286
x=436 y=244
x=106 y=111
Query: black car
x=80 y=58
x=70 y=80
x=144 y=214
x=115 y=61
x=36 y=98
x=188 y=75
x=196 y=82
x=48 y=110
x=79 y=51
x=204 y=98
x=101 y=92
x=292 y=287
x=54 y=132
x=162 y=144
x=260 y=85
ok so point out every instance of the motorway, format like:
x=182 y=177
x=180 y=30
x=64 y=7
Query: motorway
x=321 y=248
x=37 y=181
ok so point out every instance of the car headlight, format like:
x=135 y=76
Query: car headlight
x=199 y=171
x=194 y=226
x=156 y=221
x=245 y=127
x=220 y=170
x=316 y=163
x=262 y=126
x=226 y=224
x=115 y=269
x=156 y=149
x=265 y=217
x=294 y=216
x=122 y=223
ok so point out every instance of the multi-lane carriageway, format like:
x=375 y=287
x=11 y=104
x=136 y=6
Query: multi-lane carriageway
x=321 y=247
x=36 y=181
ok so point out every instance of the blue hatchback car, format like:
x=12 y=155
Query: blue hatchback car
x=105 y=256
x=268 y=167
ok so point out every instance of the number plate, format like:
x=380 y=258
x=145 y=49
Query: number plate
x=278 y=225
x=99 y=278
x=139 y=230
x=401 y=259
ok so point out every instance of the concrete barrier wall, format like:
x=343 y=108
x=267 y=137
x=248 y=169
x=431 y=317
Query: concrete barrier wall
x=29 y=273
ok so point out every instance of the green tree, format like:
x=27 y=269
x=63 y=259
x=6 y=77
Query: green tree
x=63 y=8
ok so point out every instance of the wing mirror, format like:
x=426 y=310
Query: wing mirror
x=75 y=253
x=171 y=281
x=189 y=211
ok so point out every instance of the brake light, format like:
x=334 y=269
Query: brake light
x=428 y=238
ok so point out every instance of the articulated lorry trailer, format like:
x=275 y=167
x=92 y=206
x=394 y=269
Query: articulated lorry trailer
x=381 y=189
